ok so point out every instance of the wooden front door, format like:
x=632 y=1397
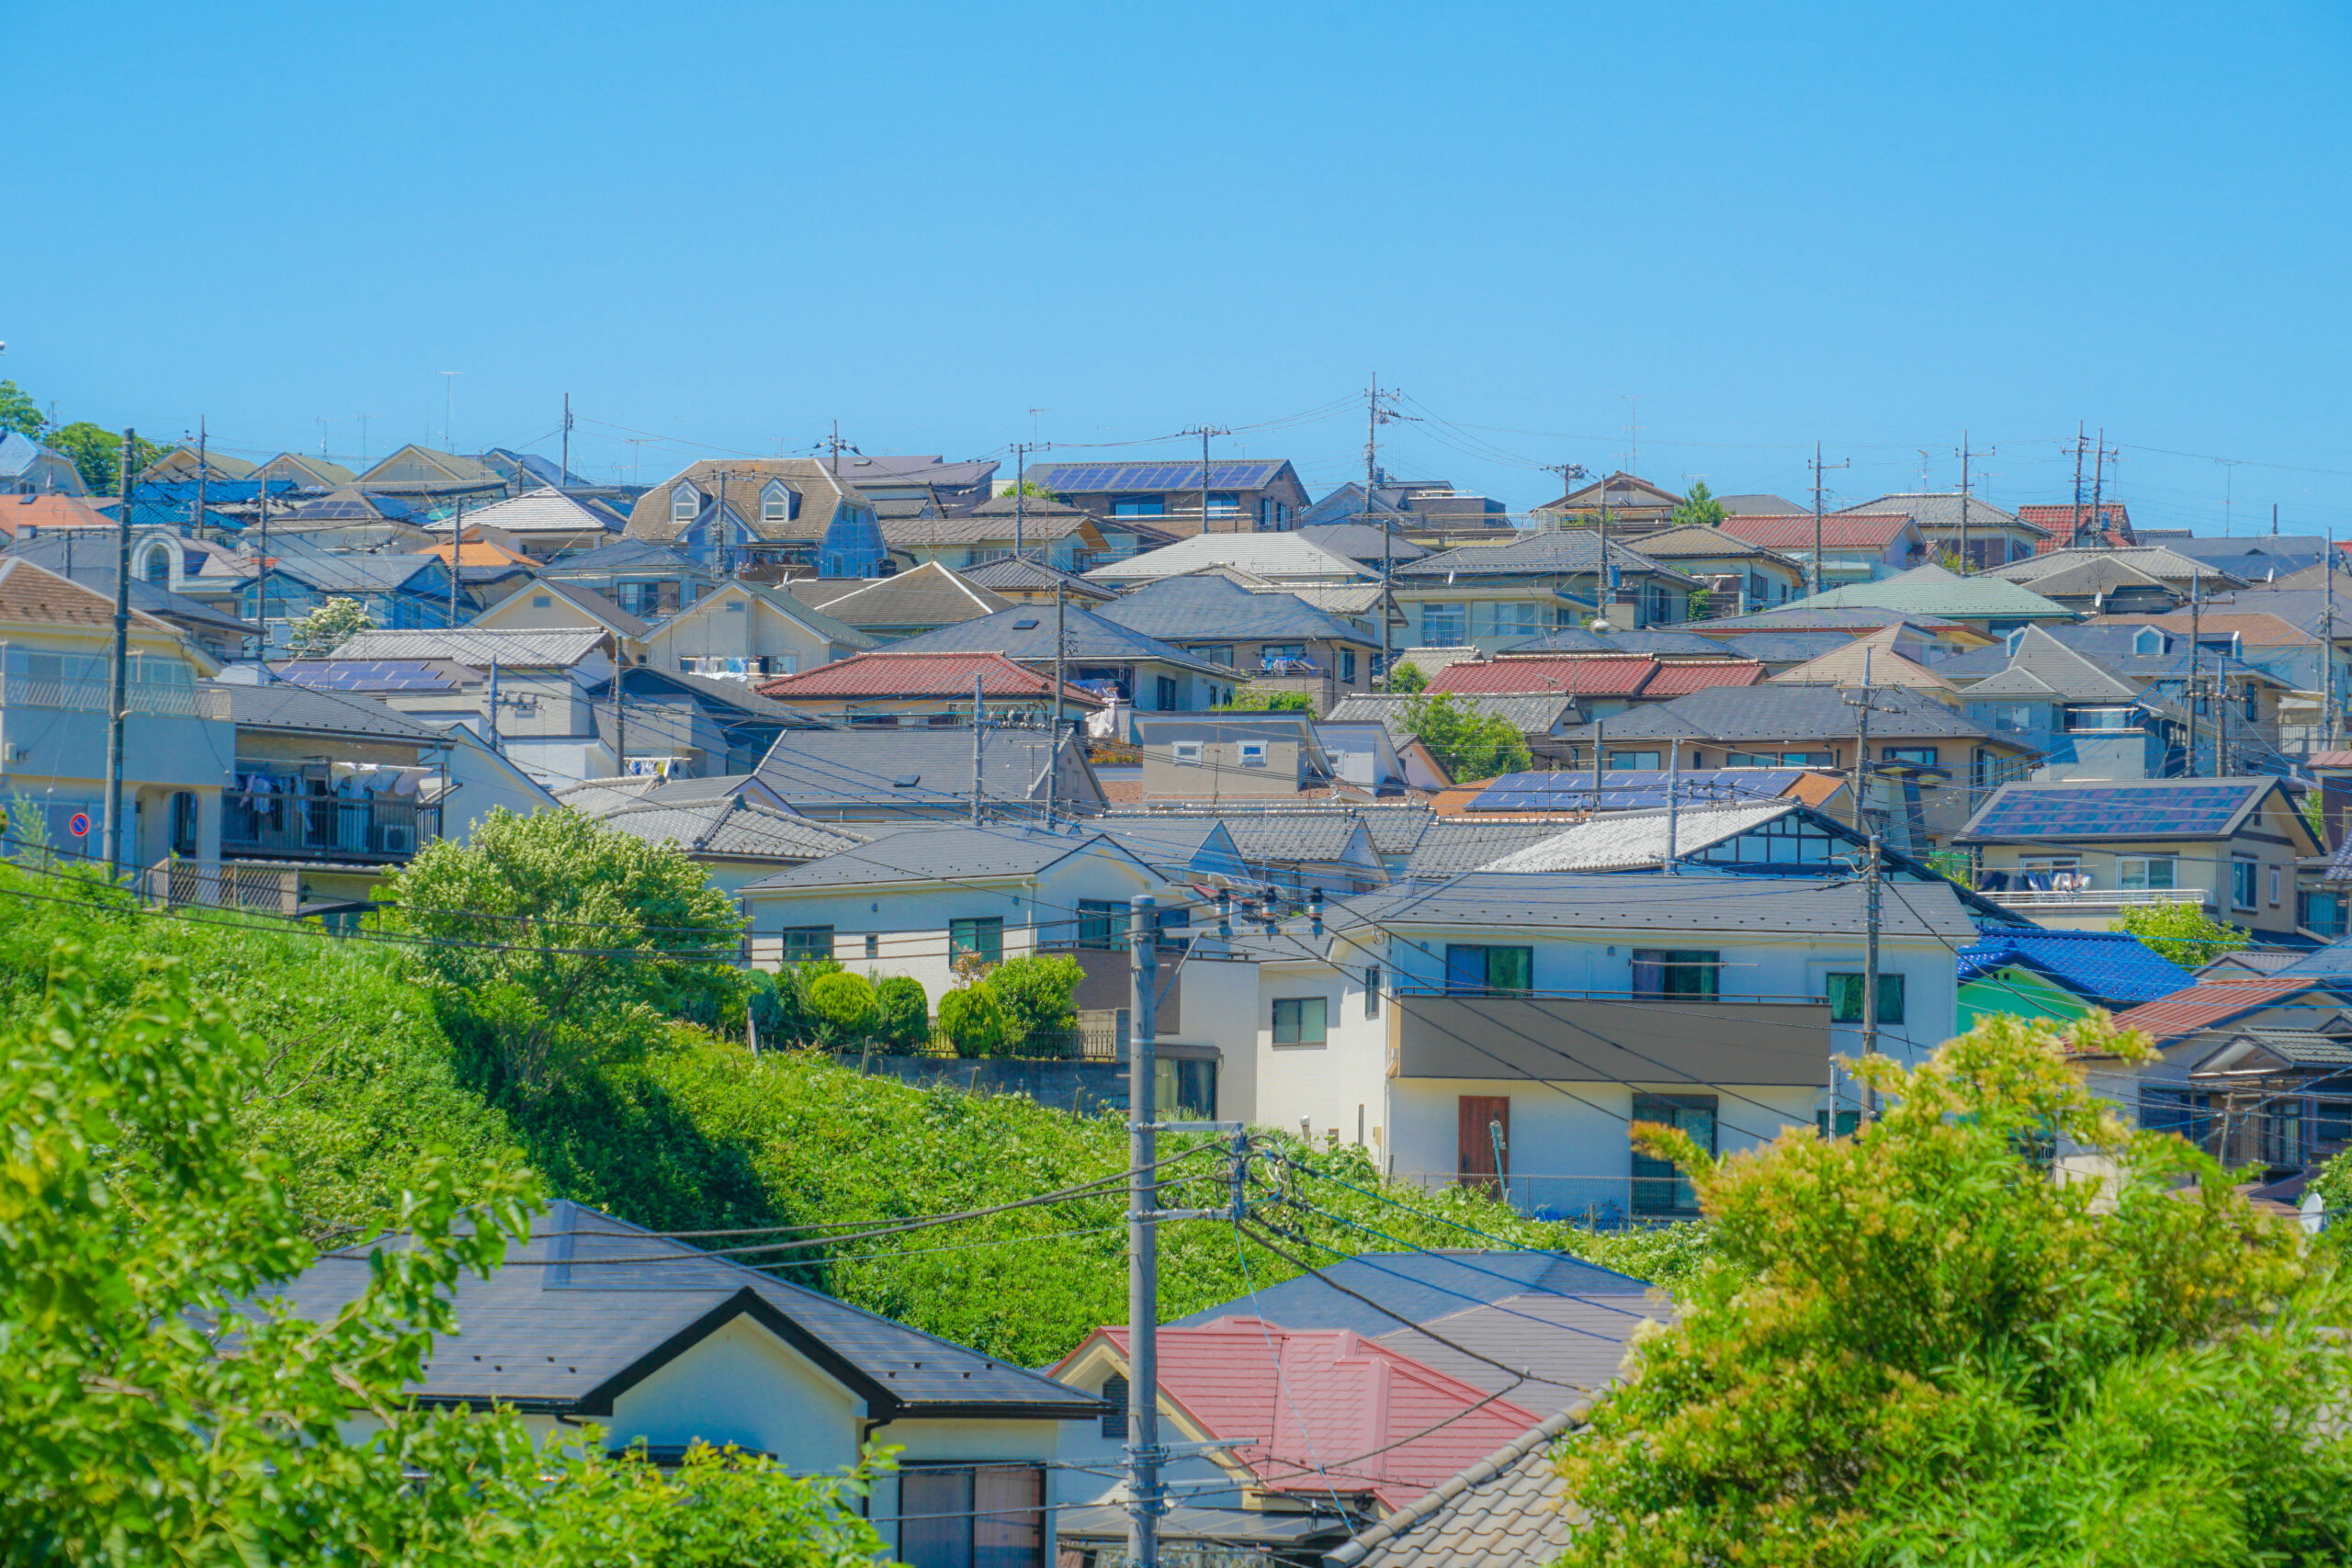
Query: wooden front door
x=1484 y=1141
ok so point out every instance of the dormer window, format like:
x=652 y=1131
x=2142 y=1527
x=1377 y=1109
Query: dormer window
x=157 y=565
x=2147 y=639
x=779 y=502
x=685 y=502
x=2014 y=638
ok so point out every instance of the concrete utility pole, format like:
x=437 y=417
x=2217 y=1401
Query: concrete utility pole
x=1019 y=501
x=118 y=670
x=493 y=704
x=1964 y=455
x=1819 y=468
x=2074 y=536
x=1861 y=743
x=977 y=781
x=1373 y=417
x=1204 y=432
x=1871 y=877
x=2098 y=483
x=620 y=710
x=1053 y=753
x=457 y=554
x=1143 y=1240
x=1673 y=806
x=2327 y=645
x=2196 y=613
x=261 y=578
x=195 y=519
x=1570 y=474
x=564 y=464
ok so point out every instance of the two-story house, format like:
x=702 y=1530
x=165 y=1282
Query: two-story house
x=398 y=592
x=2088 y=722
x=1276 y=640
x=742 y=630
x=887 y=689
x=1930 y=592
x=1736 y=576
x=29 y=467
x=650 y=582
x=1038 y=527
x=545 y=524
x=1960 y=528
x=1239 y=495
x=904 y=605
x=1114 y=660
x=1854 y=548
x=763 y=516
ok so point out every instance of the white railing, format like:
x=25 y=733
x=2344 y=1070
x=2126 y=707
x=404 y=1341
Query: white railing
x=90 y=696
x=2032 y=898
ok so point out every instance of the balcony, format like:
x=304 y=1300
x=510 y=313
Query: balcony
x=326 y=828
x=2093 y=900
x=1589 y=1036
x=164 y=700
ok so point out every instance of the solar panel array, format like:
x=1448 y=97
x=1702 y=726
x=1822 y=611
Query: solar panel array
x=2123 y=811
x=1631 y=790
x=1087 y=479
x=370 y=675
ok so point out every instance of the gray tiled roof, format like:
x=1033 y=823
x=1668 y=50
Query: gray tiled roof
x=1453 y=846
x=1294 y=836
x=281 y=706
x=1507 y=1511
x=2304 y=1048
x=736 y=829
x=479 y=647
x=1641 y=901
x=823 y=769
x=1363 y=541
x=573 y=1318
x=1395 y=830
x=1572 y=639
x=626 y=555
x=2051 y=669
x=1537 y=714
x=1008 y=573
x=946 y=852
x=1772 y=712
x=1549 y=551
x=1203 y=607
x=353 y=574
x=1940 y=510
x=1025 y=632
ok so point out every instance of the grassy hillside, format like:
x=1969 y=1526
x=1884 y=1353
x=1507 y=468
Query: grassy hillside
x=680 y=1130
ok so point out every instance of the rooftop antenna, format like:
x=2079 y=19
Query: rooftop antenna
x=448 y=408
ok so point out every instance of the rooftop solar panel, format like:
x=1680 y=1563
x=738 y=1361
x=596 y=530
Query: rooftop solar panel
x=2121 y=812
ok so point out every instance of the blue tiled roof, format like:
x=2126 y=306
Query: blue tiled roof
x=2107 y=967
x=2335 y=958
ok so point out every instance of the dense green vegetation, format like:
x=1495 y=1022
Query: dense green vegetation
x=375 y=1057
x=2182 y=932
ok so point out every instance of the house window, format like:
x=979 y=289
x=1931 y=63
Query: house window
x=1224 y=503
x=184 y=823
x=1675 y=972
x=1478 y=970
x=1848 y=1123
x=1846 y=998
x=542 y=600
x=1301 y=1021
x=684 y=502
x=1253 y=753
x=1273 y=516
x=1658 y=1185
x=802 y=943
x=1807 y=760
x=972 y=1516
x=873 y=945
x=778 y=504
x=2253 y=705
x=2091 y=718
x=1347 y=665
x=1220 y=654
x=1138 y=506
x=1184 y=1088
x=1270 y=653
x=1102 y=922
x=1164 y=689
x=2151 y=873
x=2167 y=1110
x=2241 y=880
x=1636 y=760
x=2012 y=719
x=157 y=567
x=1114 y=1394
x=1372 y=991
x=2274 y=887
x=1443 y=625
x=2147 y=640
x=1921 y=756
x=2333 y=1122
x=977 y=936
x=1515 y=620
x=2321 y=913
x=1187 y=754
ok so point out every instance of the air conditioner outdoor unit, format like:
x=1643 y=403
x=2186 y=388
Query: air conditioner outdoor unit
x=399 y=839
x=12 y=753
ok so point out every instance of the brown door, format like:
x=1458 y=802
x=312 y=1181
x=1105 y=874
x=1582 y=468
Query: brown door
x=1484 y=1141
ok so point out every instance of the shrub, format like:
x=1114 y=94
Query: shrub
x=2182 y=932
x=1034 y=991
x=903 y=1013
x=974 y=1022
x=844 y=1003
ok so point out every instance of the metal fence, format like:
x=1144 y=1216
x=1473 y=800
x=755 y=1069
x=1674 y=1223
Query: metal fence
x=327 y=827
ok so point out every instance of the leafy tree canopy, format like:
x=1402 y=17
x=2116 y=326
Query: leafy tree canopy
x=1699 y=509
x=97 y=453
x=1469 y=742
x=1406 y=677
x=18 y=412
x=2182 y=932
x=1925 y=1345
x=328 y=627
x=1252 y=701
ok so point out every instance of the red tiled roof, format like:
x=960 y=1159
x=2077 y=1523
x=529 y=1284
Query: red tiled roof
x=885 y=674
x=2063 y=519
x=1591 y=675
x=1339 y=1412
x=45 y=512
x=2213 y=1003
x=1846 y=529
x=1675 y=680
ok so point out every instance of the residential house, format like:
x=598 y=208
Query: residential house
x=2031 y=973
x=763 y=516
x=1093 y=652
x=1872 y=660
x=1509 y=1510
x=1294 y=849
x=2152 y=577
x=1542 y=719
x=1039 y=527
x=1276 y=641
x=1738 y=578
x=1563 y=796
x=1245 y=755
x=889 y=688
x=918 y=776
x=2237 y=1054
x=1776 y=837
x=1282 y=560
x=1504 y=1030
x=1924 y=638
x=1626 y=500
x=2075 y=854
x=426 y=474
x=1369 y=756
x=899 y=477
x=186 y=461
x=1854 y=548
x=1921 y=740
x=1601 y=683
x=1929 y=592
x=741 y=630
x=29 y=515
x=350 y=519
x=565 y=606
x=661 y=1343
x=1244 y=495
x=2259 y=558
x=2301 y=660
x=2088 y=722
x=30 y=467
x=1492 y=596
x=1959 y=526
x=1414 y=516
x=683 y=726
x=1261 y=1409
x=1027 y=581
x=891 y=608
x=2077 y=526
x=650 y=582
x=168 y=574
x=531 y=695
x=56 y=646
x=1366 y=544
x=721 y=824
x=398 y=592
x=303 y=472
x=545 y=525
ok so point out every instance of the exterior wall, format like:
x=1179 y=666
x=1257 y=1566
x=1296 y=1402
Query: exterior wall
x=714 y=627
x=1220 y=771
x=2202 y=874
x=537 y=609
x=742 y=1384
x=2014 y=992
x=968 y=1442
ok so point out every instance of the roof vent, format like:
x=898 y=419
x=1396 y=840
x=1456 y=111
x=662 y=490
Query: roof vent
x=906 y=781
x=1026 y=624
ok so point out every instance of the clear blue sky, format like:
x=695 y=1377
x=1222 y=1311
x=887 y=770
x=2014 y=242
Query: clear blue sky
x=727 y=225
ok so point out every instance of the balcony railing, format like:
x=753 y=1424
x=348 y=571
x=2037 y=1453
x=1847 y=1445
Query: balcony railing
x=2059 y=898
x=91 y=696
x=1606 y=1037
x=326 y=827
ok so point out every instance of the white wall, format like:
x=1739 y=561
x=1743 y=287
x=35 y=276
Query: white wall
x=743 y=1386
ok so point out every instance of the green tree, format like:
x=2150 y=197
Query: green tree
x=97 y=453
x=1468 y=743
x=1699 y=509
x=326 y=629
x=1036 y=991
x=1925 y=1345
x=974 y=1020
x=555 y=938
x=1029 y=487
x=19 y=412
x=845 y=1002
x=2182 y=932
x=157 y=1404
x=1406 y=677
x=1249 y=700
x=902 y=1012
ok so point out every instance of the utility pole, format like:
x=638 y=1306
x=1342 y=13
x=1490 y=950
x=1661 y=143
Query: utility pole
x=975 y=750
x=2327 y=645
x=1570 y=474
x=1862 y=744
x=1870 y=882
x=620 y=710
x=2195 y=609
x=2075 y=539
x=457 y=554
x=1143 y=1240
x=494 y=703
x=1599 y=737
x=1818 y=468
x=1204 y=432
x=1964 y=455
x=119 y=674
x=836 y=445
x=1673 y=805
x=1020 y=498
x=1374 y=417
x=261 y=577
x=449 y=408
x=196 y=521
x=1053 y=753
x=2098 y=483
x=564 y=464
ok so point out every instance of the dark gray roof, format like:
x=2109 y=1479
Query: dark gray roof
x=2303 y=1047
x=1395 y=830
x=949 y=852
x=1283 y=836
x=353 y=574
x=94 y=568
x=280 y=706
x=1806 y=616
x=574 y=1318
x=1016 y=573
x=1206 y=607
x=1509 y=1510
x=1453 y=846
x=1571 y=640
x=1781 y=648
x=1551 y=550
x=831 y=769
x=1025 y=632
x=733 y=828
x=1363 y=541
x=1422 y=1286
x=1536 y=714
x=1640 y=901
x=2043 y=663
x=1776 y=712
x=626 y=555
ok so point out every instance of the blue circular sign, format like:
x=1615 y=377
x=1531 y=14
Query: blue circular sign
x=78 y=824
